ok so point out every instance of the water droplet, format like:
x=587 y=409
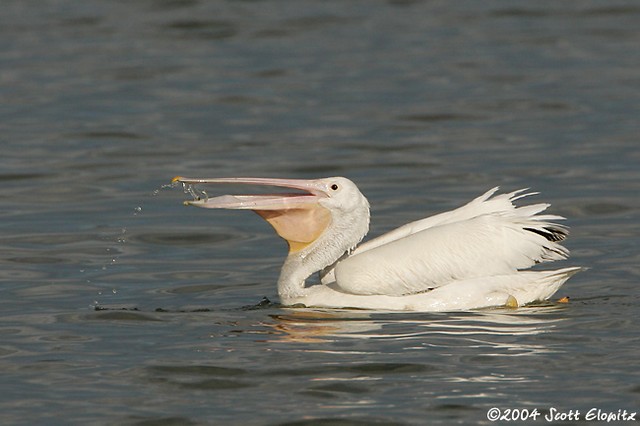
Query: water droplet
x=188 y=189
x=167 y=186
x=196 y=194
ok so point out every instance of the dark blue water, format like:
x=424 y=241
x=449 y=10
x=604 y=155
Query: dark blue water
x=120 y=306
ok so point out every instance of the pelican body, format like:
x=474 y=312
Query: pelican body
x=472 y=257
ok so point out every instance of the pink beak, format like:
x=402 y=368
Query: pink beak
x=296 y=217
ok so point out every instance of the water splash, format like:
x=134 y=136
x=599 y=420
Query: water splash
x=196 y=194
x=171 y=185
x=188 y=188
x=121 y=236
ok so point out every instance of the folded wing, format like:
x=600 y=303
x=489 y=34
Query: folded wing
x=486 y=237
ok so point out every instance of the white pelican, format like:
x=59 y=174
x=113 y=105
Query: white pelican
x=468 y=258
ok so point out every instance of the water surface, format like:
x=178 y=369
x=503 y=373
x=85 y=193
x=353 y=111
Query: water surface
x=120 y=306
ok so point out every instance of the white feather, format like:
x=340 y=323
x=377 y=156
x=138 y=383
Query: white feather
x=526 y=287
x=487 y=236
x=467 y=258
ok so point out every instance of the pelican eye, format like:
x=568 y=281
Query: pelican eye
x=334 y=187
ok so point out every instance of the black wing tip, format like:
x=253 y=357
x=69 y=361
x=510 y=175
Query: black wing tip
x=553 y=233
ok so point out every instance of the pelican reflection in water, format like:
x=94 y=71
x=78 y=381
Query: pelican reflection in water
x=472 y=257
x=492 y=329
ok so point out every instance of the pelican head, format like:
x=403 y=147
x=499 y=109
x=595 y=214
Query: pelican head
x=322 y=221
